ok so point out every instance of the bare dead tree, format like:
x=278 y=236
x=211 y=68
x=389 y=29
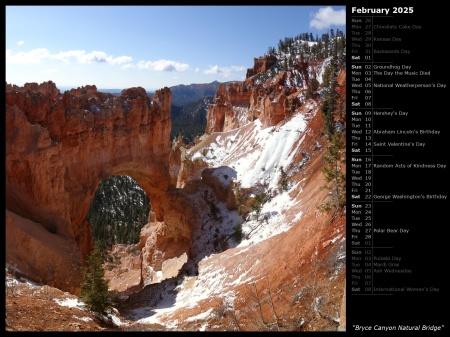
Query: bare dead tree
x=257 y=297
x=259 y=224
x=233 y=317
x=277 y=318
x=227 y=309
x=307 y=299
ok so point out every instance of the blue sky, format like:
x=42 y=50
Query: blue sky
x=150 y=46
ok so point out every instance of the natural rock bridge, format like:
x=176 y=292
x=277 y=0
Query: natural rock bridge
x=59 y=147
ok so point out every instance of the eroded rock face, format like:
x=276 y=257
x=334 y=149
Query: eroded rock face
x=59 y=147
x=229 y=109
x=261 y=65
x=271 y=102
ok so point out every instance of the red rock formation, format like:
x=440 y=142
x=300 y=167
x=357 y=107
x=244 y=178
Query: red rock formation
x=229 y=108
x=261 y=65
x=58 y=149
x=240 y=103
x=223 y=192
x=271 y=101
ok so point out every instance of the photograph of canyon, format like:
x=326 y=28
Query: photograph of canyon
x=175 y=168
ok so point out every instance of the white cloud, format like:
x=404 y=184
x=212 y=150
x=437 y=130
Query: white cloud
x=67 y=55
x=32 y=57
x=326 y=17
x=213 y=70
x=162 y=65
x=225 y=71
x=20 y=43
x=38 y=55
x=120 y=60
x=100 y=56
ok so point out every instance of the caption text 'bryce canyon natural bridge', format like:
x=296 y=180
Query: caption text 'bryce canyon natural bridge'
x=59 y=147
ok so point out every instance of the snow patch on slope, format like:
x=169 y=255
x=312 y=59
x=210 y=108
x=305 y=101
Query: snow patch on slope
x=256 y=153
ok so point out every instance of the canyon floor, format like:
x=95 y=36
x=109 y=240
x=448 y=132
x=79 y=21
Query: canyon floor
x=33 y=307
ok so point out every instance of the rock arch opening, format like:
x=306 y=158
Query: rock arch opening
x=119 y=210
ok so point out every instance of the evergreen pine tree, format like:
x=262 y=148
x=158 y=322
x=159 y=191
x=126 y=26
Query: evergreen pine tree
x=94 y=288
x=334 y=177
x=328 y=105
